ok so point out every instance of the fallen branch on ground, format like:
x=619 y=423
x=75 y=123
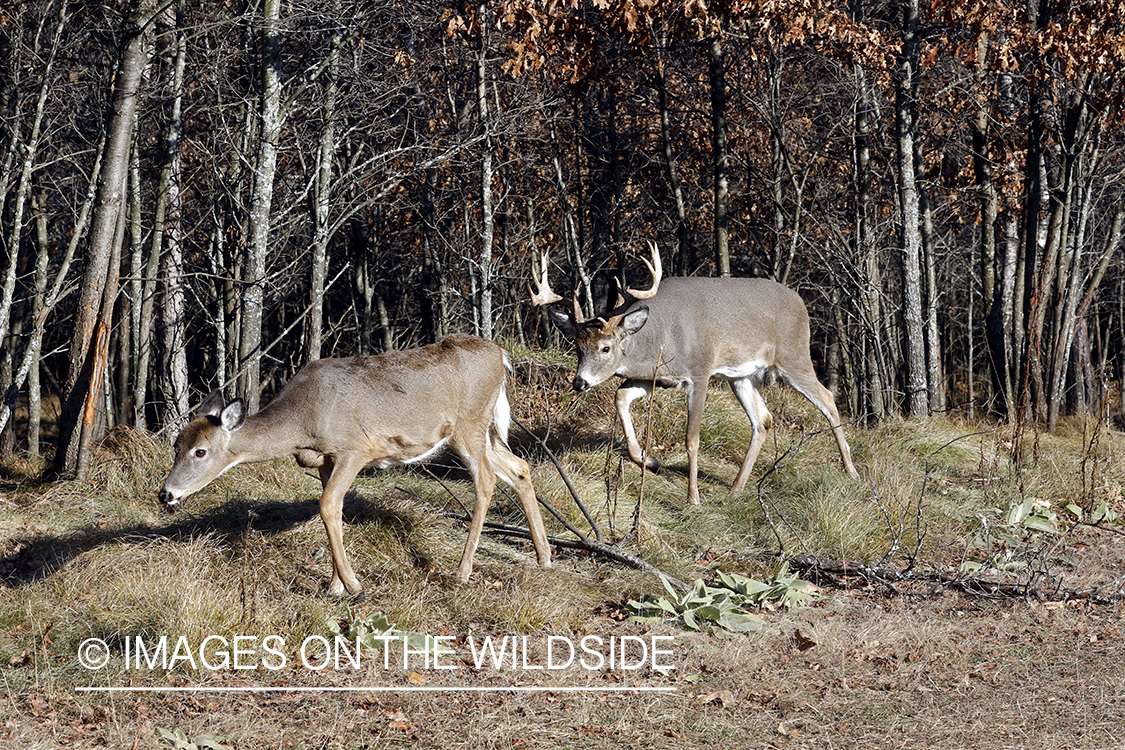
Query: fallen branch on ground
x=824 y=573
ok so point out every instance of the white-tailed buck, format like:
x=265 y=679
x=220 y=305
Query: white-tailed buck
x=682 y=332
x=340 y=415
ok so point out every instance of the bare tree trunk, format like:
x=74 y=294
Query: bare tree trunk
x=261 y=201
x=365 y=289
x=866 y=251
x=989 y=204
x=31 y=352
x=38 y=310
x=30 y=149
x=225 y=260
x=991 y=282
x=129 y=301
x=10 y=100
x=1028 y=302
x=385 y=323
x=906 y=119
x=144 y=284
x=1082 y=156
x=166 y=224
x=98 y=408
x=487 y=230
x=935 y=371
x=1121 y=327
x=321 y=202
x=93 y=318
x=970 y=355
x=8 y=433
x=721 y=157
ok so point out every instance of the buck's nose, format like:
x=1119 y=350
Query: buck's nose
x=581 y=385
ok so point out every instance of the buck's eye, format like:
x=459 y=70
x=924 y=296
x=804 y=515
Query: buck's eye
x=200 y=452
x=605 y=350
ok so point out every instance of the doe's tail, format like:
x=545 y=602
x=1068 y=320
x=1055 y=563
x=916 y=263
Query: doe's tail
x=502 y=412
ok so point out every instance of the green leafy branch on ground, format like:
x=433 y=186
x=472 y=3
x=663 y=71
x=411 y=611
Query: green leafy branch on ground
x=180 y=740
x=1007 y=538
x=725 y=605
x=373 y=631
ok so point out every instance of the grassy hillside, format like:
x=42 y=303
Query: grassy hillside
x=900 y=655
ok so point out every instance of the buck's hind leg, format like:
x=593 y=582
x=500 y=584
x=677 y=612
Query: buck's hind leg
x=747 y=393
x=806 y=383
x=627 y=393
x=515 y=471
x=337 y=475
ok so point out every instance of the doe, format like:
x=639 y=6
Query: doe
x=340 y=415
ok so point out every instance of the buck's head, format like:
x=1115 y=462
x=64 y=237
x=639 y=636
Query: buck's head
x=201 y=450
x=602 y=345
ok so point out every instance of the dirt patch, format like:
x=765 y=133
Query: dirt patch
x=859 y=670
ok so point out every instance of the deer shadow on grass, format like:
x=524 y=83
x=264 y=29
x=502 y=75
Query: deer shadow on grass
x=38 y=556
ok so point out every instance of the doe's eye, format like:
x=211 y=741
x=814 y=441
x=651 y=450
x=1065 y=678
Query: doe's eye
x=200 y=452
x=605 y=350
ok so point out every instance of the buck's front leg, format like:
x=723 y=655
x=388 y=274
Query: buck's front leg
x=336 y=475
x=696 y=399
x=629 y=392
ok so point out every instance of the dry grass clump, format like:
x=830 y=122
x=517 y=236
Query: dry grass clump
x=194 y=587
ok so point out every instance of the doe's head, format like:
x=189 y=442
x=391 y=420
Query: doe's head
x=201 y=449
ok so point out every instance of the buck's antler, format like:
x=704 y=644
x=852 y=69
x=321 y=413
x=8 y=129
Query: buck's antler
x=542 y=294
x=655 y=269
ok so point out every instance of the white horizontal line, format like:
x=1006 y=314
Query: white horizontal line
x=376 y=689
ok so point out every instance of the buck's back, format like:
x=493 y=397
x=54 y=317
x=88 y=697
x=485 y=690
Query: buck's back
x=700 y=324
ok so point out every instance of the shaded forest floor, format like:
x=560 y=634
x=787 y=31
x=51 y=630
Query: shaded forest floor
x=869 y=664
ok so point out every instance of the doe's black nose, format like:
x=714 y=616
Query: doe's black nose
x=581 y=385
x=170 y=503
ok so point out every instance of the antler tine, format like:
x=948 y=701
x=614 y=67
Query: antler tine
x=577 y=309
x=655 y=269
x=542 y=294
x=620 y=293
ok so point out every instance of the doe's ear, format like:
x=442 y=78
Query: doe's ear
x=233 y=415
x=212 y=405
x=564 y=322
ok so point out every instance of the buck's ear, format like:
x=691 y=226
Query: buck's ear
x=564 y=322
x=634 y=320
x=233 y=415
x=212 y=405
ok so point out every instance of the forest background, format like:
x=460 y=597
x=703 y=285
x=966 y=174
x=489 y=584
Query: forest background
x=211 y=194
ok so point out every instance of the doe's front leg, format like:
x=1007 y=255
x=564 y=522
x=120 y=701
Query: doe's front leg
x=337 y=476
